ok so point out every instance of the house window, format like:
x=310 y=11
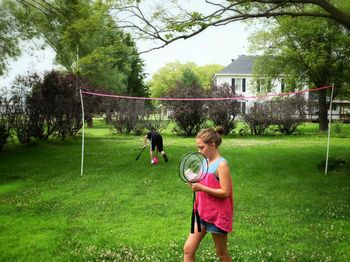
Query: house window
x=258 y=85
x=238 y=85
x=243 y=107
x=233 y=84
x=243 y=84
x=282 y=85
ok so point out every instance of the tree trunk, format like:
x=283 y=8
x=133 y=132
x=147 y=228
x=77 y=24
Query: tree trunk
x=109 y=118
x=89 y=121
x=323 y=112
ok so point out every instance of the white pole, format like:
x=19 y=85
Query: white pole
x=83 y=135
x=329 y=129
x=82 y=118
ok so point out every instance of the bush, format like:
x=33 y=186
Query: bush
x=23 y=123
x=6 y=120
x=60 y=104
x=47 y=107
x=258 y=118
x=129 y=117
x=223 y=112
x=288 y=113
x=189 y=116
x=155 y=120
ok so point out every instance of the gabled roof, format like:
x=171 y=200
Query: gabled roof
x=242 y=65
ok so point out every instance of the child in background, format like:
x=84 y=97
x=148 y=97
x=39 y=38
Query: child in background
x=214 y=199
x=156 y=141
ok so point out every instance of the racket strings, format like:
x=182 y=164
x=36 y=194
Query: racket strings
x=193 y=167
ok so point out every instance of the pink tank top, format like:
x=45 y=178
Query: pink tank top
x=214 y=210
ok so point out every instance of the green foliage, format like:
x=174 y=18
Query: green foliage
x=288 y=113
x=223 y=112
x=169 y=21
x=5 y=121
x=87 y=41
x=165 y=79
x=305 y=51
x=206 y=73
x=129 y=117
x=258 y=118
x=46 y=107
x=189 y=116
x=9 y=36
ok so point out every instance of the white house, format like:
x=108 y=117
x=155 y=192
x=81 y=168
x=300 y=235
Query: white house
x=239 y=75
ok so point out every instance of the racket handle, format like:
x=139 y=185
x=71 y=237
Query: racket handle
x=192 y=222
x=195 y=219
x=195 y=216
x=198 y=221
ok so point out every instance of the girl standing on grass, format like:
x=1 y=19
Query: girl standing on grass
x=214 y=199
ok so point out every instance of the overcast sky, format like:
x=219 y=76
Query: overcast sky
x=213 y=46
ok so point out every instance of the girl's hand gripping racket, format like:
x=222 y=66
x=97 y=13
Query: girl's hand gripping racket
x=193 y=167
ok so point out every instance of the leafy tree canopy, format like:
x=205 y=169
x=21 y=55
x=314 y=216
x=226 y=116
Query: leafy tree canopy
x=167 y=77
x=11 y=32
x=310 y=51
x=85 y=31
x=304 y=50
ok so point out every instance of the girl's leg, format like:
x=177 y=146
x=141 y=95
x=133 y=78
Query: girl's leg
x=221 y=247
x=192 y=244
x=164 y=156
x=151 y=154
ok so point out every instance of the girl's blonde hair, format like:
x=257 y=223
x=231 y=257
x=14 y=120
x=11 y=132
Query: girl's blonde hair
x=210 y=135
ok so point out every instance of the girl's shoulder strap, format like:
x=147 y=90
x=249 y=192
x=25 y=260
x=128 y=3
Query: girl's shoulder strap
x=214 y=166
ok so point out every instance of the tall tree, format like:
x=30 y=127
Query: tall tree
x=310 y=51
x=85 y=30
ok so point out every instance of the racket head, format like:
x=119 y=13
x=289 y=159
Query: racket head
x=193 y=167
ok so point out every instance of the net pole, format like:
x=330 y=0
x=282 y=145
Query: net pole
x=83 y=134
x=329 y=130
x=82 y=119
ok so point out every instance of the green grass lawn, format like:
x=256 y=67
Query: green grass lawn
x=286 y=208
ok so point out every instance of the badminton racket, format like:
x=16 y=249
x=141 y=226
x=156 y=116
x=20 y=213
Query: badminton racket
x=138 y=156
x=193 y=167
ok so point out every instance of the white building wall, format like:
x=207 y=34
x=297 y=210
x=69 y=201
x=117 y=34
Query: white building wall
x=250 y=84
x=251 y=89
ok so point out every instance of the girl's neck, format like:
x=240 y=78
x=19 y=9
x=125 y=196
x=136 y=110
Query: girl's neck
x=213 y=157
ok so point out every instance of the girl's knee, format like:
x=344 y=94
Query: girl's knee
x=189 y=249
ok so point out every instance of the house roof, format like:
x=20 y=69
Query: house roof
x=242 y=65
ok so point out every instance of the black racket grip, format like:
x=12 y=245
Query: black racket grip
x=192 y=222
x=195 y=216
x=195 y=219
x=198 y=221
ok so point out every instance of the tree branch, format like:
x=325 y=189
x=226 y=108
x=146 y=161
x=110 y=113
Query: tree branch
x=168 y=28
